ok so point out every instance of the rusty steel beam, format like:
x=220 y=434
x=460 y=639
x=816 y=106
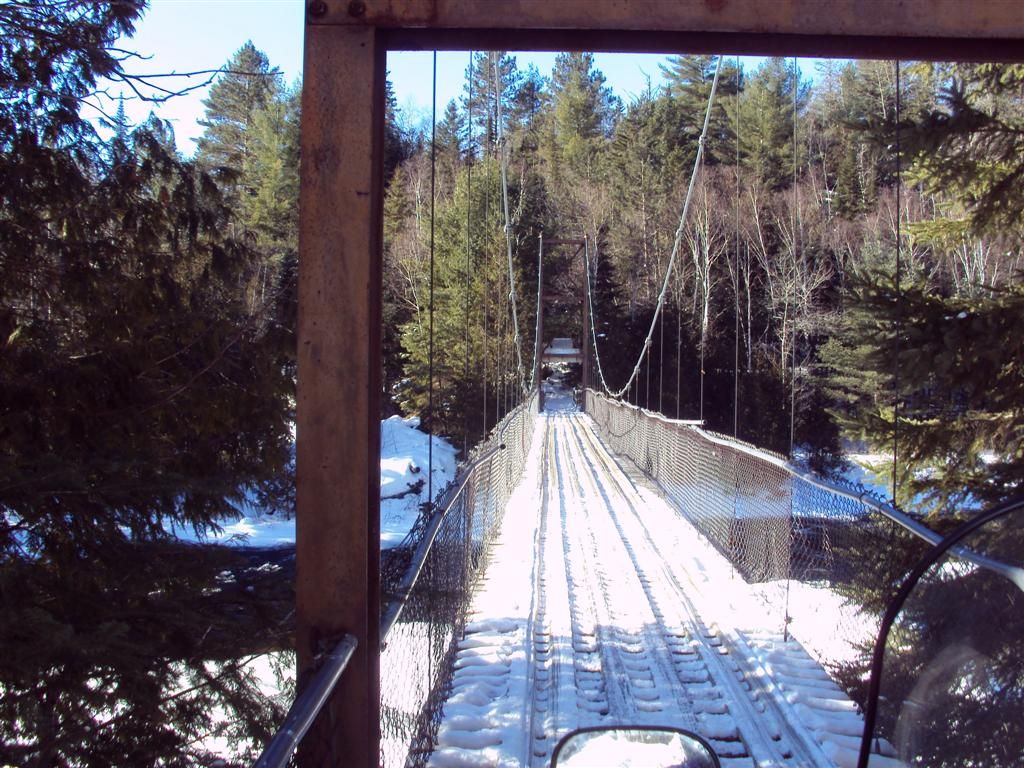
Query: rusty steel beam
x=926 y=29
x=339 y=375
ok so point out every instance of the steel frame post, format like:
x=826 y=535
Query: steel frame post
x=338 y=401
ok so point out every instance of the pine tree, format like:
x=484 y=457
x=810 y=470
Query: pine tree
x=584 y=111
x=397 y=145
x=493 y=76
x=687 y=88
x=270 y=208
x=454 y=393
x=450 y=147
x=773 y=98
x=247 y=86
x=136 y=394
x=525 y=109
x=955 y=410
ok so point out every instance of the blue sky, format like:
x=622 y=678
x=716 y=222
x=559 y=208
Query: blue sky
x=186 y=35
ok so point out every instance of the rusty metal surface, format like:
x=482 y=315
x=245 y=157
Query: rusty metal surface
x=887 y=18
x=337 y=536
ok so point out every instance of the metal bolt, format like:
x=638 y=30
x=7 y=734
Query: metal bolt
x=317 y=8
x=356 y=8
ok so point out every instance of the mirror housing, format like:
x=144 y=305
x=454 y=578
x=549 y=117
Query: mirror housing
x=629 y=746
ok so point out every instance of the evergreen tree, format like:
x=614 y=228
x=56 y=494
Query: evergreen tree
x=955 y=412
x=270 y=208
x=396 y=144
x=687 y=88
x=773 y=98
x=525 y=110
x=454 y=394
x=450 y=147
x=971 y=141
x=493 y=75
x=584 y=111
x=473 y=302
x=247 y=86
x=136 y=395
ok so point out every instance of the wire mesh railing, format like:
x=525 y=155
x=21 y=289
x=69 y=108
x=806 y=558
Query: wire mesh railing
x=824 y=557
x=427 y=586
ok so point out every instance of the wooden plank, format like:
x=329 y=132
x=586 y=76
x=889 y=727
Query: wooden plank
x=339 y=362
x=872 y=18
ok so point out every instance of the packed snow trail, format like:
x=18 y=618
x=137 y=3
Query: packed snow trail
x=602 y=606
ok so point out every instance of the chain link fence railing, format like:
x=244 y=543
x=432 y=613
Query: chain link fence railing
x=426 y=585
x=825 y=557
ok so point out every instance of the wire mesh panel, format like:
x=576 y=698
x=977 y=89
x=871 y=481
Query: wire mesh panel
x=429 y=580
x=825 y=558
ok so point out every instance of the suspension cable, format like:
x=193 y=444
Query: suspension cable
x=540 y=308
x=672 y=259
x=795 y=218
x=736 y=261
x=661 y=366
x=486 y=287
x=430 y=337
x=679 y=352
x=792 y=379
x=469 y=250
x=899 y=295
x=503 y=150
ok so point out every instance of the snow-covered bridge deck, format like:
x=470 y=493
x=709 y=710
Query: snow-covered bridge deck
x=601 y=605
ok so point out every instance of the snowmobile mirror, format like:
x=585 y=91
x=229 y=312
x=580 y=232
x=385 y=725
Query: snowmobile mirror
x=628 y=746
x=947 y=672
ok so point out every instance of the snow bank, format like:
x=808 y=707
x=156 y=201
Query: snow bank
x=404 y=460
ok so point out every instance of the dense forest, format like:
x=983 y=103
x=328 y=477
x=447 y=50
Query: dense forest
x=851 y=254
x=849 y=271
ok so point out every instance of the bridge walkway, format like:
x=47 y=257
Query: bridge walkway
x=601 y=605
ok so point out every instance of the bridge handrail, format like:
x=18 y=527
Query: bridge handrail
x=405 y=587
x=864 y=496
x=429 y=589
x=307 y=706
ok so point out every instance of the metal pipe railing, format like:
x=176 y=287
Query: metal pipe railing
x=307 y=706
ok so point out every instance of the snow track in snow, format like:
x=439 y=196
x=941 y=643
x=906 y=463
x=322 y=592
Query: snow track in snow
x=598 y=610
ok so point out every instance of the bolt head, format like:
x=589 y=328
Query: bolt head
x=317 y=8
x=357 y=8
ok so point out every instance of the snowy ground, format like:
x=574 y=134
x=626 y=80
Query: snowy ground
x=405 y=458
x=603 y=606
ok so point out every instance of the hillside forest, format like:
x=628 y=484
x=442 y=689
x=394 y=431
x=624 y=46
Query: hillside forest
x=848 y=279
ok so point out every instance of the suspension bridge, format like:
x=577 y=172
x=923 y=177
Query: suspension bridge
x=597 y=563
x=576 y=571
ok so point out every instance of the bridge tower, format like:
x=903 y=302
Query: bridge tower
x=561 y=352
x=340 y=245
